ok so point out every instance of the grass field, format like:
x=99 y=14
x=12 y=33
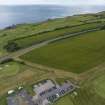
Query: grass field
x=29 y=29
x=99 y=85
x=10 y=69
x=77 y=54
x=30 y=40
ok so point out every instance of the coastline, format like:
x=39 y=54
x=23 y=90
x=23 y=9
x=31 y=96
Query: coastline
x=36 y=17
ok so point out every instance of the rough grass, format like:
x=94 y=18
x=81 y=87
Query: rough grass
x=64 y=101
x=3 y=100
x=76 y=54
x=81 y=97
x=17 y=74
x=99 y=85
x=91 y=92
x=10 y=69
x=87 y=96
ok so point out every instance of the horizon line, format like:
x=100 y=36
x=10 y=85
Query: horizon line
x=53 y=4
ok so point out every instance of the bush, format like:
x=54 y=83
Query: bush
x=103 y=27
x=11 y=47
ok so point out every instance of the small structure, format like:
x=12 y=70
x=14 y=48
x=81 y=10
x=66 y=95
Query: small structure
x=20 y=87
x=10 y=92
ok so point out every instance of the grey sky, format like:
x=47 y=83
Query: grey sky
x=60 y=2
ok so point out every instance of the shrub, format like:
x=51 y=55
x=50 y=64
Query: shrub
x=11 y=47
x=6 y=60
x=103 y=27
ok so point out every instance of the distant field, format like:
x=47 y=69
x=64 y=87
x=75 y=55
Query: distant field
x=30 y=40
x=29 y=29
x=77 y=54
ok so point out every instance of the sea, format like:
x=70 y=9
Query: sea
x=12 y=15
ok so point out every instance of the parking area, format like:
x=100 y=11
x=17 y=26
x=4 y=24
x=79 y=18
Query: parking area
x=47 y=92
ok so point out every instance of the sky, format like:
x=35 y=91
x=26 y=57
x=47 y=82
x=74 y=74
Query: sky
x=57 y=2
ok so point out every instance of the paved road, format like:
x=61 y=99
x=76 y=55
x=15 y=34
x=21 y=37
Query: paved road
x=26 y=50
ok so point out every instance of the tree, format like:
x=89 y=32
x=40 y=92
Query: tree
x=11 y=47
x=103 y=27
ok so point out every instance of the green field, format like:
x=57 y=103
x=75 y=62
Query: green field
x=29 y=29
x=10 y=69
x=99 y=85
x=77 y=54
x=26 y=30
x=30 y=40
